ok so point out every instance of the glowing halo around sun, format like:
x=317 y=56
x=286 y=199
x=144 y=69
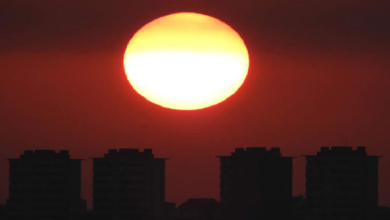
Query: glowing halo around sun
x=186 y=61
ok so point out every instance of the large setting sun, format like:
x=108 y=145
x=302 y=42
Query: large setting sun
x=186 y=61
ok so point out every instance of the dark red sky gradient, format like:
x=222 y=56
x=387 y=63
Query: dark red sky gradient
x=319 y=76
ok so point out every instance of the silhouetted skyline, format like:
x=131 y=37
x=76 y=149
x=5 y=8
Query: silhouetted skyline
x=341 y=183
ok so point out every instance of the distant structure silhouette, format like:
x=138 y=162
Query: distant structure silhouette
x=45 y=185
x=341 y=183
x=197 y=209
x=256 y=183
x=128 y=184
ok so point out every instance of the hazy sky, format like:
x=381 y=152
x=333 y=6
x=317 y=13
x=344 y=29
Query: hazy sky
x=319 y=76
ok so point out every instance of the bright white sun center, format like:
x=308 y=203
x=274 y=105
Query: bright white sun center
x=186 y=61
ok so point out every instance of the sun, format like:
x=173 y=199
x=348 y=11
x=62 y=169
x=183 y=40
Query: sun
x=186 y=61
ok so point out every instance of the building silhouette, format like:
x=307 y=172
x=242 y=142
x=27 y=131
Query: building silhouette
x=197 y=209
x=341 y=183
x=256 y=183
x=3 y=211
x=128 y=184
x=45 y=185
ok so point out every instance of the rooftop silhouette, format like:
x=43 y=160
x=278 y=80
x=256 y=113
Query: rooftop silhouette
x=44 y=185
x=197 y=209
x=128 y=184
x=255 y=183
x=341 y=183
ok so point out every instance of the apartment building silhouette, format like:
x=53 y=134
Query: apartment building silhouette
x=256 y=183
x=341 y=183
x=128 y=184
x=44 y=184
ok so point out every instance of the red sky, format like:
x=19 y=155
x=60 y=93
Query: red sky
x=319 y=76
